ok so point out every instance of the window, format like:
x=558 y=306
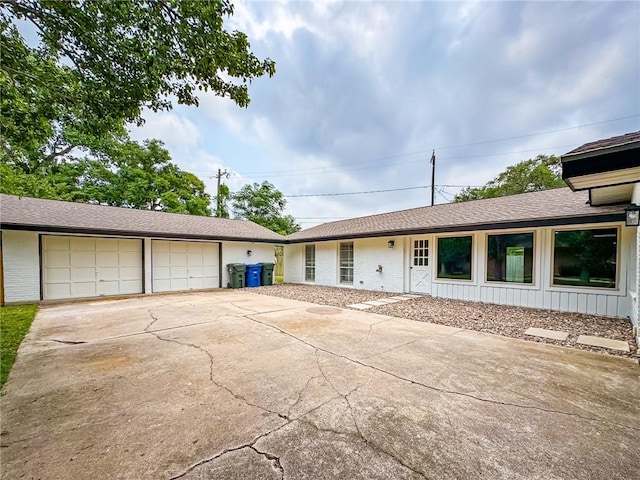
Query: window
x=454 y=258
x=420 y=253
x=585 y=258
x=346 y=262
x=510 y=258
x=310 y=263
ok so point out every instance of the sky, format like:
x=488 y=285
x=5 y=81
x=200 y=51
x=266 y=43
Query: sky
x=365 y=91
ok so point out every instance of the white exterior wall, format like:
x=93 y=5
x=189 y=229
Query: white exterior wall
x=294 y=263
x=369 y=253
x=236 y=252
x=21 y=266
x=634 y=277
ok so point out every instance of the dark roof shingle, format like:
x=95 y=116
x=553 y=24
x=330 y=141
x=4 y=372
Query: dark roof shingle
x=55 y=215
x=617 y=141
x=552 y=206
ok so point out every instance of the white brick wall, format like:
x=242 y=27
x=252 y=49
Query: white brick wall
x=21 y=266
x=236 y=252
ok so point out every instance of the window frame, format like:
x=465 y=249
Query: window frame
x=347 y=266
x=310 y=267
x=472 y=261
x=589 y=289
x=534 y=265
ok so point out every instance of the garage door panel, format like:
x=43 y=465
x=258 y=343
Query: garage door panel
x=57 y=290
x=106 y=259
x=162 y=259
x=128 y=259
x=76 y=267
x=82 y=258
x=59 y=275
x=58 y=259
x=56 y=243
x=161 y=246
x=193 y=265
x=106 y=244
x=179 y=259
x=130 y=286
x=84 y=289
x=179 y=247
x=83 y=274
x=109 y=274
x=196 y=272
x=78 y=244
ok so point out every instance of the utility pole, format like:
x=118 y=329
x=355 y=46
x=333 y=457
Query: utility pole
x=433 y=177
x=218 y=200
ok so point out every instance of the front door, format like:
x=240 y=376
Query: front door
x=420 y=268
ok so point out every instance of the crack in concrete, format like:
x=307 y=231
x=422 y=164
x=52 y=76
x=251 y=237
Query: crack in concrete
x=273 y=458
x=437 y=389
x=213 y=380
x=366 y=343
x=299 y=399
x=377 y=354
x=68 y=342
x=253 y=442
x=154 y=320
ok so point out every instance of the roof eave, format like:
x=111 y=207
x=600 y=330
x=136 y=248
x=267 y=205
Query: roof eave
x=132 y=233
x=531 y=223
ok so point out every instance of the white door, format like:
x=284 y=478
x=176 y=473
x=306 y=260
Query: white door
x=179 y=266
x=77 y=267
x=420 y=268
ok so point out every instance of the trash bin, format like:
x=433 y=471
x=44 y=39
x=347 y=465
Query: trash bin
x=236 y=275
x=253 y=275
x=267 y=273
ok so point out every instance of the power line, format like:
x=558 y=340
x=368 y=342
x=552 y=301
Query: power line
x=538 y=133
x=269 y=174
x=370 y=191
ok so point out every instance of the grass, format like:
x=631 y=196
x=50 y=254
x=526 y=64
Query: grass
x=14 y=325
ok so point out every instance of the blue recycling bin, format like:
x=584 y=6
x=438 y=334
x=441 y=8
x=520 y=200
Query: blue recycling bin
x=254 y=273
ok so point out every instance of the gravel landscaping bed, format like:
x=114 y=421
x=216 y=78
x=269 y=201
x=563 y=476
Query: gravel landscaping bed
x=482 y=317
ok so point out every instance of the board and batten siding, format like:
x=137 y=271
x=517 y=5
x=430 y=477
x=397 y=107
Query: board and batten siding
x=395 y=262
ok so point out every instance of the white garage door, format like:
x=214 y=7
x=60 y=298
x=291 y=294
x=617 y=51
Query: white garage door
x=181 y=266
x=76 y=267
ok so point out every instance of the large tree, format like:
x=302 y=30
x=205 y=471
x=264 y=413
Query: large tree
x=264 y=205
x=540 y=173
x=96 y=65
x=124 y=174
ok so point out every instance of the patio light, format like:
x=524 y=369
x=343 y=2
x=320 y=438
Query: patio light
x=390 y=243
x=632 y=215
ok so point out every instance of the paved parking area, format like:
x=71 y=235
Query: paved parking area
x=232 y=384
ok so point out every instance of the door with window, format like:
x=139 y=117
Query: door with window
x=420 y=265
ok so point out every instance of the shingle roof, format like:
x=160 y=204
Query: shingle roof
x=54 y=215
x=617 y=141
x=549 y=207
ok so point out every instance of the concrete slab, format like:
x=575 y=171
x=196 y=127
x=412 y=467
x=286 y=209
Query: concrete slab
x=410 y=295
x=603 y=343
x=360 y=306
x=375 y=303
x=240 y=385
x=399 y=298
x=388 y=300
x=544 y=333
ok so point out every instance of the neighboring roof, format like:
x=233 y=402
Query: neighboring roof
x=550 y=207
x=23 y=213
x=621 y=141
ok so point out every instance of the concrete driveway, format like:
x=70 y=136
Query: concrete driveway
x=238 y=385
